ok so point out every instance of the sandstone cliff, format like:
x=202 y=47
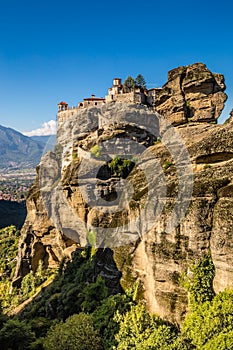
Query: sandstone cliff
x=170 y=208
x=191 y=93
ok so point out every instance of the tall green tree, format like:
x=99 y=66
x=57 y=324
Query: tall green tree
x=210 y=324
x=139 y=331
x=76 y=333
x=140 y=82
x=16 y=335
x=129 y=84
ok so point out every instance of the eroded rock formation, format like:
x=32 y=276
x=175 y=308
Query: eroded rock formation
x=191 y=93
x=174 y=206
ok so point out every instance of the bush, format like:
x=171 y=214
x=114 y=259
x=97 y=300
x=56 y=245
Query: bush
x=121 y=167
x=222 y=341
x=167 y=165
x=96 y=151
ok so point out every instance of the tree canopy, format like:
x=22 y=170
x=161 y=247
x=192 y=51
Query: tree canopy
x=76 y=333
x=129 y=84
x=140 y=82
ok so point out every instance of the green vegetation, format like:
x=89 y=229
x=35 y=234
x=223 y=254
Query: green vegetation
x=157 y=141
x=16 y=335
x=129 y=84
x=140 y=82
x=96 y=151
x=105 y=320
x=9 y=239
x=74 y=155
x=76 y=311
x=77 y=332
x=91 y=238
x=207 y=166
x=139 y=330
x=121 y=167
x=74 y=289
x=210 y=325
x=200 y=284
x=32 y=281
x=167 y=165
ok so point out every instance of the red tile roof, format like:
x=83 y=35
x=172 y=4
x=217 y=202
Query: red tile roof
x=63 y=103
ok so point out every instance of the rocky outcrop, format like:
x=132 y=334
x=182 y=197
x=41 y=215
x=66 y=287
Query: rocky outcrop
x=191 y=93
x=40 y=239
x=62 y=204
x=160 y=257
x=168 y=209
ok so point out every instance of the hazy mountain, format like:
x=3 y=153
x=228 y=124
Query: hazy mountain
x=17 y=150
x=43 y=138
x=48 y=141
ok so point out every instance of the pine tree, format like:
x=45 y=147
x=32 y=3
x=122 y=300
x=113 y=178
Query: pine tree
x=140 y=82
x=129 y=84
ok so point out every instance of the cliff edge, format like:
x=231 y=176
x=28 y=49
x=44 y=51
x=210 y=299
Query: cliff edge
x=122 y=176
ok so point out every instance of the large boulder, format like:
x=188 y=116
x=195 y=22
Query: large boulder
x=192 y=93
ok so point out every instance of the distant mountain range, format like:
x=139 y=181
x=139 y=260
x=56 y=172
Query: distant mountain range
x=18 y=151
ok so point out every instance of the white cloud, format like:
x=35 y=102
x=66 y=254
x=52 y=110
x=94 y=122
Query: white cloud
x=48 y=128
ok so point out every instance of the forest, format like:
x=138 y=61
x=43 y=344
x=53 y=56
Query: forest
x=72 y=308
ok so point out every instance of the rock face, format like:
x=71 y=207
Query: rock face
x=160 y=257
x=169 y=208
x=191 y=93
x=40 y=240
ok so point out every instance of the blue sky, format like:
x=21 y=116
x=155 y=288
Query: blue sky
x=67 y=50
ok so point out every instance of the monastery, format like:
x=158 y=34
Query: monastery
x=116 y=93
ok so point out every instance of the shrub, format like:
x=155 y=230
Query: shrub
x=96 y=151
x=167 y=165
x=121 y=167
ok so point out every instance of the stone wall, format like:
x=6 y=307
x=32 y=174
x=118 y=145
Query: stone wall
x=129 y=97
x=63 y=116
